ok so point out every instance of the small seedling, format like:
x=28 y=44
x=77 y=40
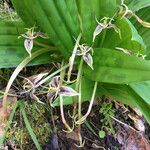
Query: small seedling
x=101 y=134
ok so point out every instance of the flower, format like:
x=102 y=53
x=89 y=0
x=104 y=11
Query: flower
x=56 y=89
x=30 y=85
x=85 y=53
x=29 y=36
x=107 y=24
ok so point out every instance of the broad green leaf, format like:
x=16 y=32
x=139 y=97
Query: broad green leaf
x=142 y=89
x=130 y=39
x=143 y=106
x=12 y=50
x=57 y=20
x=29 y=128
x=136 y=5
x=120 y=93
x=117 y=67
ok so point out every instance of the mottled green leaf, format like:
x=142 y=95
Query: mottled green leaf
x=120 y=93
x=142 y=89
x=117 y=67
x=136 y=5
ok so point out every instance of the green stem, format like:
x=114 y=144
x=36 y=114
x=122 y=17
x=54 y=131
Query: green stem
x=72 y=58
x=78 y=88
x=62 y=114
x=77 y=84
x=44 y=45
x=92 y=99
x=62 y=74
x=81 y=120
x=80 y=100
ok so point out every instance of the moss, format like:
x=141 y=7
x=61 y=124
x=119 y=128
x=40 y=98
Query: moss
x=19 y=134
x=7 y=13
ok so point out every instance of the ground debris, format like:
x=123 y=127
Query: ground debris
x=11 y=101
x=131 y=139
x=52 y=144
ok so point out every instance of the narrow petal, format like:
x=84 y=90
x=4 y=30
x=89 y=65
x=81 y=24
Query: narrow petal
x=97 y=31
x=88 y=59
x=51 y=96
x=67 y=91
x=38 y=77
x=28 y=44
x=25 y=35
x=86 y=49
x=78 y=53
x=35 y=35
x=42 y=35
x=55 y=82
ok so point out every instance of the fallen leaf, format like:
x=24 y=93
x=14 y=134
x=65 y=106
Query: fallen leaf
x=138 y=123
x=137 y=111
x=73 y=135
x=52 y=144
x=131 y=139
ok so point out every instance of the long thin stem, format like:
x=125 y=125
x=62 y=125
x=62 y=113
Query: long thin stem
x=62 y=74
x=78 y=88
x=79 y=115
x=103 y=37
x=80 y=100
x=44 y=45
x=71 y=60
x=81 y=120
x=62 y=114
x=77 y=85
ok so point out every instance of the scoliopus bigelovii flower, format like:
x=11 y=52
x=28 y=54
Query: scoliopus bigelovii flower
x=56 y=90
x=29 y=36
x=30 y=85
x=106 y=24
x=85 y=53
